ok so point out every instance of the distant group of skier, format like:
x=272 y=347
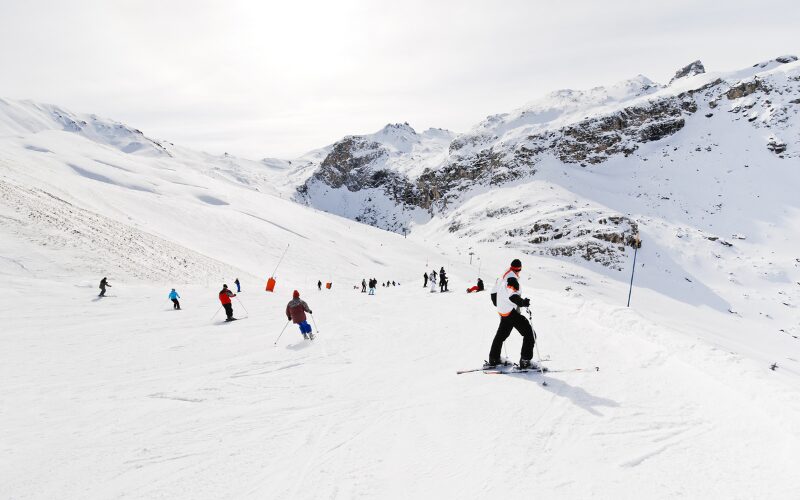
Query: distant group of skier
x=434 y=278
x=369 y=286
x=505 y=297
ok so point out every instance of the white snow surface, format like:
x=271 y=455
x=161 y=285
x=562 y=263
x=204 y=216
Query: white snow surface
x=124 y=397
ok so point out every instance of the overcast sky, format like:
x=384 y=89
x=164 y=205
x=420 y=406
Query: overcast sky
x=260 y=78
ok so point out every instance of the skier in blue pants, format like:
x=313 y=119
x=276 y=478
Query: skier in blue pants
x=296 y=311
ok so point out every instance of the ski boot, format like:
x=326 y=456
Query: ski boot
x=304 y=335
x=492 y=364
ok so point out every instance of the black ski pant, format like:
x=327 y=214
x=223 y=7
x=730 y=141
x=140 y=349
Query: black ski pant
x=228 y=310
x=102 y=292
x=176 y=304
x=508 y=323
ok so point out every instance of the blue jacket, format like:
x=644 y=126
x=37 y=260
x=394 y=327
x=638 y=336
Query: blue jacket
x=174 y=295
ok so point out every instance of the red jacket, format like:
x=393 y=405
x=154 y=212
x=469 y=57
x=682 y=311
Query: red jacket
x=225 y=296
x=296 y=310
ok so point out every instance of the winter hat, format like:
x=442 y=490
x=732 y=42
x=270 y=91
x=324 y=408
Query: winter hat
x=516 y=265
x=224 y=286
x=296 y=294
x=513 y=283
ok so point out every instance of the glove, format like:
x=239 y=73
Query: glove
x=288 y=318
x=310 y=312
x=526 y=302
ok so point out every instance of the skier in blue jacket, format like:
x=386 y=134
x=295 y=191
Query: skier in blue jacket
x=173 y=296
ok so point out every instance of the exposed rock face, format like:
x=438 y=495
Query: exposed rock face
x=353 y=164
x=695 y=68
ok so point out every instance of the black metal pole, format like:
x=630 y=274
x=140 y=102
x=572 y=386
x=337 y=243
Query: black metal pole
x=633 y=270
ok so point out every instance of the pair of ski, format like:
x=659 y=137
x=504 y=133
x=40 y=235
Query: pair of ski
x=511 y=369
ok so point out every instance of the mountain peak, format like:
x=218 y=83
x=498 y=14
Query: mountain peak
x=397 y=129
x=691 y=69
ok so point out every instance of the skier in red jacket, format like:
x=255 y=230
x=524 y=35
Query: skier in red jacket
x=296 y=311
x=225 y=299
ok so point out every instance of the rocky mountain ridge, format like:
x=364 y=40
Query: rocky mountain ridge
x=634 y=121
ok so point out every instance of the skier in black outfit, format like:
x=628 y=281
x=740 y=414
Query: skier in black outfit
x=425 y=275
x=103 y=284
x=442 y=281
x=363 y=286
x=508 y=301
x=319 y=285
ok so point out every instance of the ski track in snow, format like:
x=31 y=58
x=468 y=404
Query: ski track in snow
x=361 y=413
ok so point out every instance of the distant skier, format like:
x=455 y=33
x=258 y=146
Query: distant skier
x=238 y=286
x=363 y=286
x=477 y=288
x=372 y=284
x=296 y=311
x=425 y=276
x=103 y=284
x=225 y=299
x=394 y=284
x=319 y=285
x=442 y=281
x=173 y=296
x=433 y=281
x=508 y=301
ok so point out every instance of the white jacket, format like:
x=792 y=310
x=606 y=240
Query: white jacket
x=504 y=293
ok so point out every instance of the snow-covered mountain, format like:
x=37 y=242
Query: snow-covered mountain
x=124 y=397
x=635 y=119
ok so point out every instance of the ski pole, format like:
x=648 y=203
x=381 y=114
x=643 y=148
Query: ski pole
x=279 y=335
x=315 y=323
x=215 y=314
x=536 y=345
x=243 y=307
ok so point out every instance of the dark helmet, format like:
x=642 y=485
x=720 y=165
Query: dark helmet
x=224 y=286
x=513 y=283
x=516 y=265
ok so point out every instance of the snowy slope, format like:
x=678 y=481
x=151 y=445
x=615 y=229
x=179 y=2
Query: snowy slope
x=124 y=397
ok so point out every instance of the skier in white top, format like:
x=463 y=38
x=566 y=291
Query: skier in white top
x=508 y=301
